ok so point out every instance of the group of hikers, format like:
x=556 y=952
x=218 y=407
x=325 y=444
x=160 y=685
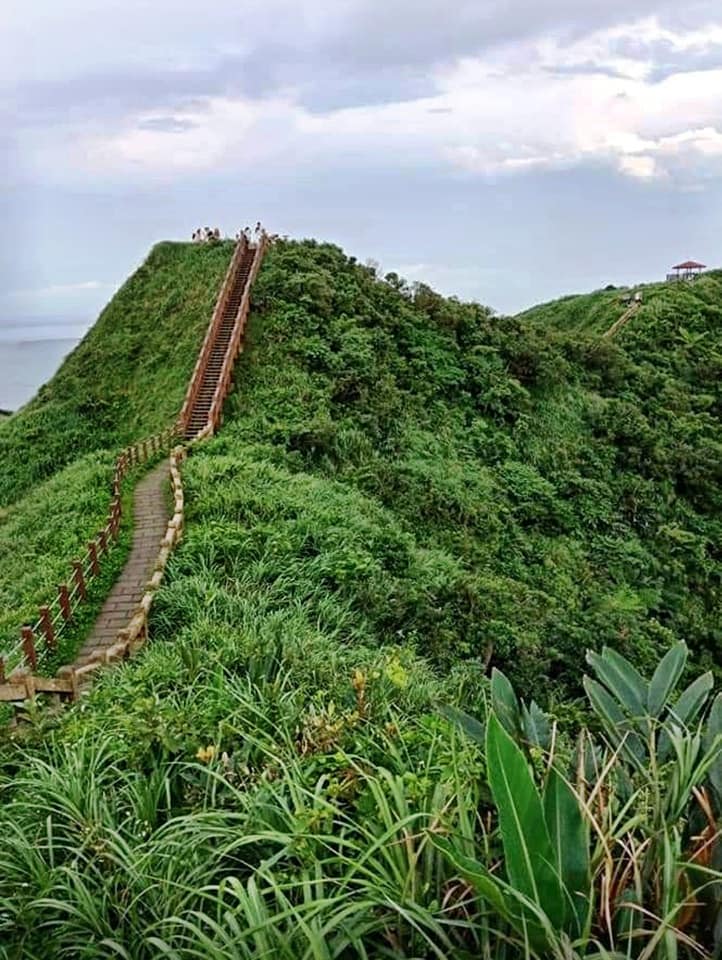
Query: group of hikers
x=206 y=235
x=213 y=234
x=249 y=234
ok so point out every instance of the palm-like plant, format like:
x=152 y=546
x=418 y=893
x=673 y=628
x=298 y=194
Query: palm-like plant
x=612 y=855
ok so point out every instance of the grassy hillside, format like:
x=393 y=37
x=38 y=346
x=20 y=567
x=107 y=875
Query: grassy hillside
x=126 y=380
x=407 y=492
x=667 y=306
x=524 y=493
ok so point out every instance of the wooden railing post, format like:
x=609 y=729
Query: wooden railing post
x=47 y=625
x=29 y=647
x=93 y=554
x=115 y=518
x=79 y=579
x=64 y=597
x=2 y=670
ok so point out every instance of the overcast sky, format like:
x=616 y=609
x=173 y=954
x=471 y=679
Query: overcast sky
x=502 y=150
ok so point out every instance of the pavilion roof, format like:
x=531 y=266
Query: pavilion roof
x=689 y=265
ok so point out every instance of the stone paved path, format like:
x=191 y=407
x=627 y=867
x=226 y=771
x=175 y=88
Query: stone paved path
x=150 y=519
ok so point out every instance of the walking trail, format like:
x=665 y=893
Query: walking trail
x=150 y=520
x=121 y=625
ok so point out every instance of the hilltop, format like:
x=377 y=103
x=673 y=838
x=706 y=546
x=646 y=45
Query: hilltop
x=408 y=492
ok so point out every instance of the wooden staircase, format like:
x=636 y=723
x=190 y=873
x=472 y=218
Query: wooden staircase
x=211 y=378
x=622 y=321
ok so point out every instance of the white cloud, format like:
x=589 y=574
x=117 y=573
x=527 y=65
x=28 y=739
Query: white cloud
x=638 y=165
x=530 y=105
x=58 y=290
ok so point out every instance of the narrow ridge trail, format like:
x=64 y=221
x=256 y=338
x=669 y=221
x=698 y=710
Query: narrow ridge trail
x=121 y=626
x=150 y=519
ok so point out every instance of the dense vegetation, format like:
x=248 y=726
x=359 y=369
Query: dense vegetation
x=309 y=759
x=125 y=381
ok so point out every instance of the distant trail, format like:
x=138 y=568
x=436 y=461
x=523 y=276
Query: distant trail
x=150 y=519
x=623 y=321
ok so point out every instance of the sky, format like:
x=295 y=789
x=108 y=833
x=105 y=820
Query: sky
x=506 y=151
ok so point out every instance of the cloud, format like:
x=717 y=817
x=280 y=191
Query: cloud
x=58 y=290
x=638 y=165
x=501 y=114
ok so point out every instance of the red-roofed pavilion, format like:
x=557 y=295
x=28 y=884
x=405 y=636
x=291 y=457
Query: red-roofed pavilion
x=686 y=271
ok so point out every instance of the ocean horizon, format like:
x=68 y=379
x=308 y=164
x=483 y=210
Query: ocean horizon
x=25 y=365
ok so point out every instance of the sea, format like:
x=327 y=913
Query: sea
x=27 y=364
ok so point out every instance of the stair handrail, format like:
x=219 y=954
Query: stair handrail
x=239 y=326
x=199 y=371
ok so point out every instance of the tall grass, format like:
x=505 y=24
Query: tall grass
x=372 y=832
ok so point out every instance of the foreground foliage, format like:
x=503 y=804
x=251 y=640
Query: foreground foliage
x=371 y=830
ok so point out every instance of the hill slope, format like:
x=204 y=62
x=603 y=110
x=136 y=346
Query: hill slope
x=407 y=491
x=521 y=493
x=127 y=378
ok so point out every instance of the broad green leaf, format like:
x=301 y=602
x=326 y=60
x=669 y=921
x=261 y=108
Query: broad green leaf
x=536 y=727
x=476 y=873
x=686 y=709
x=692 y=700
x=504 y=702
x=503 y=898
x=621 y=684
x=528 y=853
x=569 y=833
x=615 y=722
x=666 y=677
x=630 y=673
x=472 y=727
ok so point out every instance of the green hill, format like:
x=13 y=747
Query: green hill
x=127 y=377
x=407 y=492
x=124 y=381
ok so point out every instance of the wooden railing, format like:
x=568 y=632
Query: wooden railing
x=132 y=637
x=225 y=379
x=41 y=638
x=199 y=371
